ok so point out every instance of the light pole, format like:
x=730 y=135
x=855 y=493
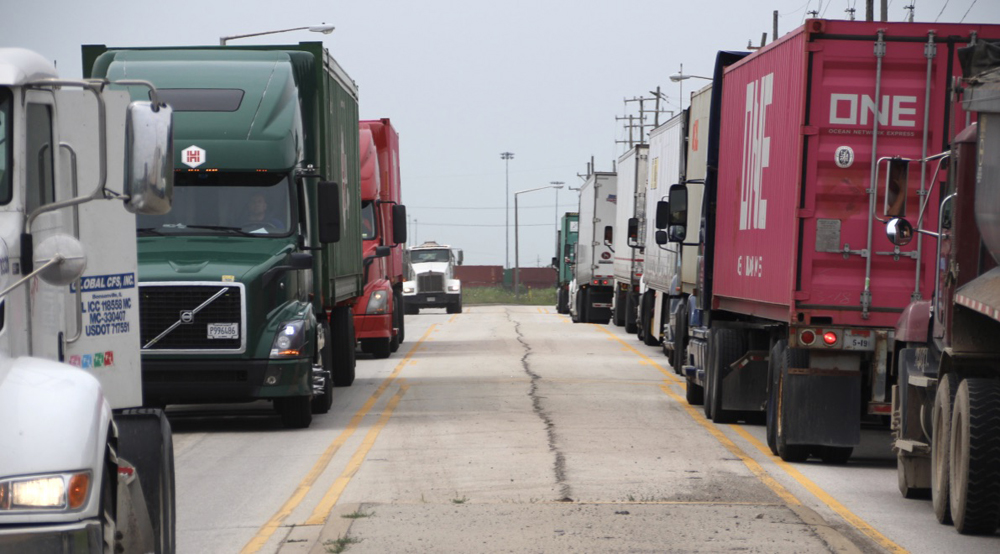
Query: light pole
x=680 y=77
x=507 y=157
x=557 y=204
x=517 y=259
x=325 y=29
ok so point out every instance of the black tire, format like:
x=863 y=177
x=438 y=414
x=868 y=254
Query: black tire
x=944 y=399
x=562 y=304
x=379 y=348
x=410 y=309
x=324 y=358
x=650 y=337
x=575 y=316
x=342 y=338
x=680 y=335
x=791 y=357
x=835 y=455
x=695 y=394
x=145 y=440
x=975 y=448
x=618 y=314
x=582 y=305
x=631 y=318
x=108 y=507
x=295 y=411
x=706 y=406
x=455 y=307
x=773 y=372
x=400 y=309
x=728 y=345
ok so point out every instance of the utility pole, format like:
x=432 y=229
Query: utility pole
x=869 y=10
x=909 y=8
x=850 y=13
x=507 y=157
x=774 y=26
x=885 y=11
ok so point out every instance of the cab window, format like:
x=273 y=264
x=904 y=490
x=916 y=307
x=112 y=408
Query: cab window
x=6 y=188
x=39 y=167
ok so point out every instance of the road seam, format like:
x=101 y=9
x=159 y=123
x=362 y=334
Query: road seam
x=305 y=486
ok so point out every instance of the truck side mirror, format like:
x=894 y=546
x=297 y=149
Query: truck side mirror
x=461 y=257
x=899 y=231
x=661 y=238
x=662 y=214
x=633 y=232
x=149 y=158
x=677 y=233
x=609 y=234
x=678 y=199
x=328 y=196
x=895 y=188
x=300 y=260
x=398 y=224
x=555 y=262
x=382 y=251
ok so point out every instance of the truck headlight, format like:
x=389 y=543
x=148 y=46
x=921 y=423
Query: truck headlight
x=409 y=288
x=289 y=340
x=61 y=491
x=453 y=288
x=378 y=302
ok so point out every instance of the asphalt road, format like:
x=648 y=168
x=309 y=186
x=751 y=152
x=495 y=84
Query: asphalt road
x=510 y=429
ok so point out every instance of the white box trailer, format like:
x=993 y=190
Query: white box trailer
x=593 y=275
x=630 y=215
x=660 y=279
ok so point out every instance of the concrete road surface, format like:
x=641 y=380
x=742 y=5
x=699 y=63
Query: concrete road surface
x=510 y=429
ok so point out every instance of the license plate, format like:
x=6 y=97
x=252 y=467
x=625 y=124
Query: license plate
x=859 y=340
x=431 y=299
x=223 y=330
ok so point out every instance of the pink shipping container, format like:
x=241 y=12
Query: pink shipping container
x=803 y=288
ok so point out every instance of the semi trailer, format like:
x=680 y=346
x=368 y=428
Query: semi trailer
x=592 y=288
x=627 y=235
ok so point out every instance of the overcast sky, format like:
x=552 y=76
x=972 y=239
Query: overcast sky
x=464 y=80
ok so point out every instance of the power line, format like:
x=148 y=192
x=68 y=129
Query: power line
x=942 y=10
x=968 y=10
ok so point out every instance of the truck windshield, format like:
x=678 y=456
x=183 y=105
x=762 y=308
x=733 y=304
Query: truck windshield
x=422 y=256
x=249 y=204
x=368 y=231
x=5 y=146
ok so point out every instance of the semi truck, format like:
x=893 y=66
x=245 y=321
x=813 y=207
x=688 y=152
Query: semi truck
x=565 y=258
x=378 y=315
x=946 y=398
x=627 y=234
x=83 y=466
x=432 y=282
x=593 y=285
x=793 y=319
x=659 y=280
x=247 y=285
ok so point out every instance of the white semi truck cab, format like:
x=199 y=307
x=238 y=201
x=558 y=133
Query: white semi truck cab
x=83 y=467
x=432 y=284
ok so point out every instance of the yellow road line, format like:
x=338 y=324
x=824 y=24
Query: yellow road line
x=757 y=469
x=272 y=525
x=322 y=510
x=822 y=495
x=452 y=319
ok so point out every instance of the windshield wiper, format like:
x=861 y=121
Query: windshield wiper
x=148 y=231
x=236 y=230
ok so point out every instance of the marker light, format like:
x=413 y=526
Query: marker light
x=807 y=337
x=830 y=338
x=79 y=484
x=289 y=340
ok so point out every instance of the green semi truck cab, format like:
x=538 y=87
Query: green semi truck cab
x=246 y=285
x=569 y=228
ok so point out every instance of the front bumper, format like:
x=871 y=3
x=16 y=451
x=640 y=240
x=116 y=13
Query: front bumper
x=432 y=299
x=373 y=326
x=195 y=381
x=82 y=536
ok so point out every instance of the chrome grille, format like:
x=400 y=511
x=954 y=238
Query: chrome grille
x=430 y=282
x=166 y=306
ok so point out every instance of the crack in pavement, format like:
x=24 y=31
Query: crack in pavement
x=559 y=467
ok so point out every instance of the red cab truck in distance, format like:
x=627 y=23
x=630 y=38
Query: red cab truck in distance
x=378 y=315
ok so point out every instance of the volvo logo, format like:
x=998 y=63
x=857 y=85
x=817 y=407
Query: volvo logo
x=187 y=316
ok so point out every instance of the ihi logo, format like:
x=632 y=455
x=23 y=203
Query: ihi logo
x=756 y=153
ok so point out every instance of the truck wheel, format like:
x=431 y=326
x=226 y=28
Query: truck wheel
x=631 y=324
x=295 y=411
x=728 y=345
x=680 y=332
x=342 y=325
x=582 y=304
x=324 y=359
x=562 y=300
x=455 y=307
x=773 y=371
x=944 y=399
x=835 y=455
x=788 y=452
x=399 y=310
x=618 y=314
x=410 y=309
x=651 y=337
x=975 y=449
x=145 y=441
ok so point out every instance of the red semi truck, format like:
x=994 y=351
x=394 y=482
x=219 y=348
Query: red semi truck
x=798 y=297
x=378 y=315
x=946 y=403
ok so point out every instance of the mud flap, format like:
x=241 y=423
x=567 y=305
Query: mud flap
x=744 y=388
x=133 y=523
x=825 y=406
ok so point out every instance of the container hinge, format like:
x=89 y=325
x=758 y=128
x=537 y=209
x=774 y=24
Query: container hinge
x=896 y=254
x=847 y=251
x=880 y=44
x=866 y=303
x=930 y=49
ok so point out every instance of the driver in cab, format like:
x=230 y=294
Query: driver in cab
x=259 y=219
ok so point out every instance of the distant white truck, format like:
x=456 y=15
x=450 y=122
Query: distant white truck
x=432 y=282
x=629 y=232
x=593 y=283
x=83 y=467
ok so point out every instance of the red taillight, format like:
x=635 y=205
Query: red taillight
x=830 y=337
x=807 y=337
